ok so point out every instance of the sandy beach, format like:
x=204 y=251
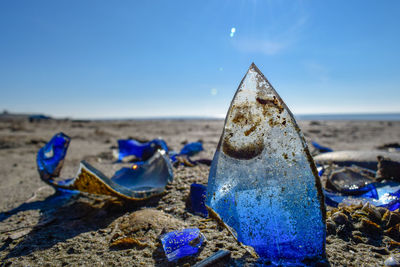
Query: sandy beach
x=39 y=229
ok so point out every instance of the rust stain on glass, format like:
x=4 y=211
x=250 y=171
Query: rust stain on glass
x=263 y=183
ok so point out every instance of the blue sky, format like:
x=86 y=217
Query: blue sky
x=107 y=59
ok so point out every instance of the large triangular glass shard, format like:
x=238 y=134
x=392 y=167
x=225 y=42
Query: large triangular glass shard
x=263 y=183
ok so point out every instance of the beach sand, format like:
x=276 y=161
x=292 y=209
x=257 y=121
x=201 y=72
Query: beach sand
x=37 y=229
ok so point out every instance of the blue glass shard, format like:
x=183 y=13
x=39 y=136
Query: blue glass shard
x=321 y=149
x=263 y=183
x=137 y=183
x=321 y=170
x=50 y=158
x=348 y=179
x=385 y=195
x=187 y=151
x=198 y=197
x=191 y=149
x=142 y=151
x=179 y=244
x=172 y=155
x=152 y=174
x=141 y=181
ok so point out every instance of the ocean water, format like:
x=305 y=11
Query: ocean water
x=347 y=117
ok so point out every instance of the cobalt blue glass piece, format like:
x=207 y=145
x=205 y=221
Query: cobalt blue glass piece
x=263 y=183
x=198 y=194
x=379 y=194
x=172 y=155
x=321 y=149
x=50 y=158
x=179 y=244
x=321 y=170
x=191 y=149
x=128 y=147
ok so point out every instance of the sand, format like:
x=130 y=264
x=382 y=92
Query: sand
x=38 y=229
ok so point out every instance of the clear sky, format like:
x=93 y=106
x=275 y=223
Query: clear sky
x=107 y=59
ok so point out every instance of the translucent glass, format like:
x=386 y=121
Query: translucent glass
x=263 y=182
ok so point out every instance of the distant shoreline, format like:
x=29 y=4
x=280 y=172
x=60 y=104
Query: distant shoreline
x=304 y=117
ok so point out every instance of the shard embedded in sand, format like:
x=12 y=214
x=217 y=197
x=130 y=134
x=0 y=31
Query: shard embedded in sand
x=263 y=183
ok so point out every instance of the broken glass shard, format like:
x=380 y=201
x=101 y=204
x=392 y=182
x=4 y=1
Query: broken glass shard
x=142 y=151
x=263 y=183
x=191 y=149
x=198 y=198
x=385 y=194
x=346 y=179
x=179 y=244
x=186 y=152
x=139 y=182
x=50 y=158
x=321 y=149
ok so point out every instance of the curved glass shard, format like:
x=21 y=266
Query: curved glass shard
x=179 y=244
x=385 y=195
x=136 y=183
x=142 y=151
x=139 y=182
x=50 y=158
x=348 y=179
x=263 y=182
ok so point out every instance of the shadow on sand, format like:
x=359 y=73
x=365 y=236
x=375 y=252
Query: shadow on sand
x=65 y=215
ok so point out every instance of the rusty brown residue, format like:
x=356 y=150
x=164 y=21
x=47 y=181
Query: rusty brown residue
x=249 y=131
x=273 y=122
x=245 y=152
x=274 y=102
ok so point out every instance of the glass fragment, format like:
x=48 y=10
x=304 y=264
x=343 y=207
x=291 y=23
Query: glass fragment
x=321 y=149
x=263 y=183
x=191 y=149
x=179 y=244
x=385 y=194
x=142 y=151
x=50 y=158
x=348 y=178
x=139 y=182
x=198 y=197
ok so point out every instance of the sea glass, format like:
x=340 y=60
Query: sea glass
x=263 y=183
x=179 y=244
